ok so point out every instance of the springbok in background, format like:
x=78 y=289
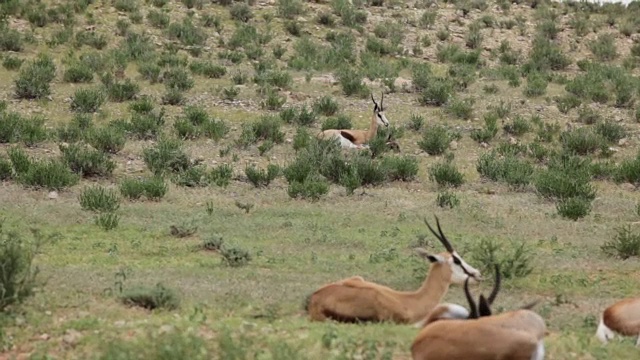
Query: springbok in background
x=623 y=318
x=354 y=299
x=357 y=139
x=453 y=333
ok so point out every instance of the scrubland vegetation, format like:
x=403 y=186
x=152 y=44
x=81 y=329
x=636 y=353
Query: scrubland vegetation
x=163 y=195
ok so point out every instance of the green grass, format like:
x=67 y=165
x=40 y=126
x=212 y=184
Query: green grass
x=298 y=245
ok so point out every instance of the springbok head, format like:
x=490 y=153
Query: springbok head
x=460 y=270
x=378 y=111
x=484 y=304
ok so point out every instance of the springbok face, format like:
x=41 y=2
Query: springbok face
x=460 y=269
x=378 y=110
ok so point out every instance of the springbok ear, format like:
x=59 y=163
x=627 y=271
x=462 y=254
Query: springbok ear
x=429 y=256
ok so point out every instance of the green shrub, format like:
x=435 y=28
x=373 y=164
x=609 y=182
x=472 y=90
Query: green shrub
x=221 y=175
x=153 y=188
x=624 y=244
x=574 y=208
x=192 y=176
x=326 y=106
x=87 y=162
x=34 y=80
x=312 y=187
x=166 y=156
x=123 y=91
x=47 y=174
x=260 y=177
x=158 y=297
x=403 y=168
x=235 y=256
x=6 y=170
x=87 y=100
x=582 y=141
x=435 y=139
x=99 y=199
x=514 y=259
x=107 y=139
x=446 y=174
x=566 y=176
x=518 y=127
x=337 y=122
x=611 y=131
x=107 y=220
x=489 y=131
x=508 y=169
x=18 y=277
x=78 y=72
x=448 y=199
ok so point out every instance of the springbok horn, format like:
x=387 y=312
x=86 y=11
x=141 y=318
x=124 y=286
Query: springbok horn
x=473 y=310
x=441 y=237
x=496 y=286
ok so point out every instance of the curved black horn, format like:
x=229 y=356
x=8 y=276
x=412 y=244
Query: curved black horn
x=473 y=310
x=496 y=286
x=483 y=307
x=443 y=239
x=374 y=103
x=382 y=101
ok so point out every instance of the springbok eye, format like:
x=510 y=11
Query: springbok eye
x=457 y=261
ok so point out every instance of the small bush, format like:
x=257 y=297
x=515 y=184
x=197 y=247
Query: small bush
x=260 y=177
x=326 y=106
x=166 y=156
x=489 y=131
x=87 y=100
x=403 y=168
x=582 y=141
x=509 y=169
x=6 y=170
x=17 y=275
x=624 y=244
x=446 y=174
x=34 y=81
x=447 y=199
x=123 y=91
x=518 y=127
x=78 y=72
x=241 y=12
x=107 y=139
x=337 y=122
x=514 y=259
x=311 y=187
x=611 y=131
x=221 y=175
x=153 y=188
x=566 y=176
x=107 y=220
x=435 y=139
x=99 y=199
x=158 y=297
x=87 y=162
x=574 y=208
x=235 y=256
x=47 y=174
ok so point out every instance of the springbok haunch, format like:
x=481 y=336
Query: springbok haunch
x=623 y=318
x=355 y=299
x=359 y=138
x=479 y=335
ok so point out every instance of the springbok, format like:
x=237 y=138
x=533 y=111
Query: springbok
x=623 y=318
x=453 y=333
x=354 y=299
x=359 y=138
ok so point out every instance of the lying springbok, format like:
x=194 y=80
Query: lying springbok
x=356 y=300
x=453 y=333
x=359 y=138
x=623 y=318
